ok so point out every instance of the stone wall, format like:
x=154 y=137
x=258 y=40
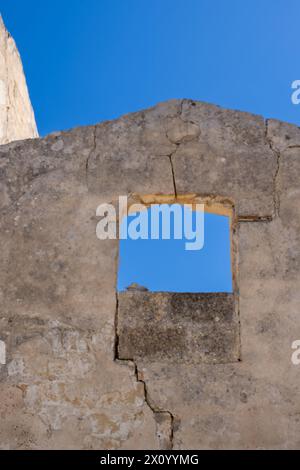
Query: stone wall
x=77 y=375
x=16 y=115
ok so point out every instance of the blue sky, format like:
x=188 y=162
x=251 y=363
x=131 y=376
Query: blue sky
x=166 y=265
x=92 y=60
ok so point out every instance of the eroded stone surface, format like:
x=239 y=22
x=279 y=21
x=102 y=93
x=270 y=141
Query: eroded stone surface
x=16 y=115
x=62 y=392
x=58 y=307
x=177 y=328
x=229 y=158
x=283 y=135
x=62 y=386
x=131 y=154
x=254 y=403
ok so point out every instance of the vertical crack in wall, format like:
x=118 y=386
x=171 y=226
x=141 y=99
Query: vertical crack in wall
x=93 y=149
x=277 y=155
x=172 y=168
x=164 y=419
x=190 y=132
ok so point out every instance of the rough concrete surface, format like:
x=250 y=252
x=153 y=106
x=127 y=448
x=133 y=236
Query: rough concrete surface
x=181 y=328
x=16 y=114
x=67 y=382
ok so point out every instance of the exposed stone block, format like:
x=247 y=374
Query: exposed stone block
x=177 y=328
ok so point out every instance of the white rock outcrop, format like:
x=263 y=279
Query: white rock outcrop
x=17 y=119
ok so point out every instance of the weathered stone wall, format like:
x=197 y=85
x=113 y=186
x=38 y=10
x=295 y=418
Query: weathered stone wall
x=16 y=115
x=68 y=381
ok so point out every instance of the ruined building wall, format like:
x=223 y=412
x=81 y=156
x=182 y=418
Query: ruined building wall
x=16 y=115
x=68 y=381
